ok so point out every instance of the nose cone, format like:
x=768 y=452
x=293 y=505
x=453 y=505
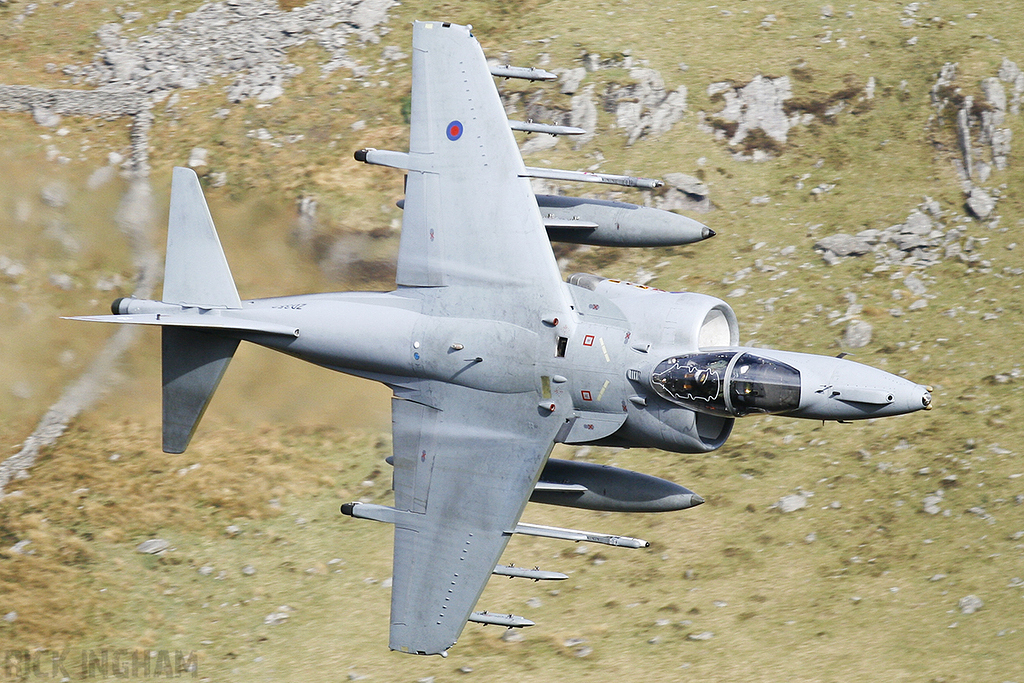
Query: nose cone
x=908 y=397
x=855 y=391
x=840 y=389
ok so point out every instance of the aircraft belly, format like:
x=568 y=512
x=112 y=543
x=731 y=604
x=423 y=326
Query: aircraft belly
x=480 y=354
x=346 y=335
x=379 y=338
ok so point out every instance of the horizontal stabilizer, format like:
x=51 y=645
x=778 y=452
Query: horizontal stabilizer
x=197 y=320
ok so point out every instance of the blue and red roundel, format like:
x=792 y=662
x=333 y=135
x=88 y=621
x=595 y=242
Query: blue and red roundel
x=454 y=131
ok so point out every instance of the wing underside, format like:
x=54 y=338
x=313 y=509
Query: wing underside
x=473 y=246
x=466 y=476
x=471 y=223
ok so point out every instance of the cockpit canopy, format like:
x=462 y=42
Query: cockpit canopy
x=735 y=383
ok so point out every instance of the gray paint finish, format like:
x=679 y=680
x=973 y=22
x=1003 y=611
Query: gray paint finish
x=492 y=358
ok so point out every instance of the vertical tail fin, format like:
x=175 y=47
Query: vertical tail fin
x=196 y=273
x=193 y=363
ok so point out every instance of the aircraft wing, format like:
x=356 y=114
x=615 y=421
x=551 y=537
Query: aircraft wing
x=473 y=246
x=471 y=222
x=465 y=475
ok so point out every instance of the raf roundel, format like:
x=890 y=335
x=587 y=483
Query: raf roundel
x=454 y=131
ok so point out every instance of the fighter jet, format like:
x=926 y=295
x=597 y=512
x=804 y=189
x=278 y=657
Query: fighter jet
x=492 y=357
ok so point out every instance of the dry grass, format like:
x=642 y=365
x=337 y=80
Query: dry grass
x=855 y=602
x=94 y=497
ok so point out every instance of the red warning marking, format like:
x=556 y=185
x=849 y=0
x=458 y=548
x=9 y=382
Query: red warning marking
x=586 y=395
x=588 y=340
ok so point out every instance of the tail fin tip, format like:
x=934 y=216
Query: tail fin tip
x=196 y=272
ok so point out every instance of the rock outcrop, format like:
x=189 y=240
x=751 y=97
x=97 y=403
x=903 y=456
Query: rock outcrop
x=758 y=105
x=645 y=107
x=926 y=237
x=247 y=39
x=981 y=130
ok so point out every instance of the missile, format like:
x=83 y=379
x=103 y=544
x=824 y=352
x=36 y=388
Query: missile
x=508 y=620
x=531 y=127
x=618 y=224
x=529 y=73
x=132 y=311
x=611 y=489
x=574 y=535
x=535 y=574
x=590 y=177
x=378 y=513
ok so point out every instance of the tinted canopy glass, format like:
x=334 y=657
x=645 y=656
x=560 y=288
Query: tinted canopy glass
x=696 y=381
x=728 y=382
x=760 y=385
